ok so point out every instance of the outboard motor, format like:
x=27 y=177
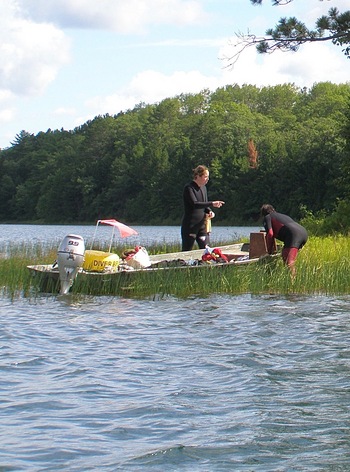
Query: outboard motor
x=70 y=258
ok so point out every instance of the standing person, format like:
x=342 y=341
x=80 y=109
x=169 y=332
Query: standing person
x=284 y=228
x=196 y=208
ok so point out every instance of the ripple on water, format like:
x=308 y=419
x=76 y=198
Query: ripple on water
x=223 y=383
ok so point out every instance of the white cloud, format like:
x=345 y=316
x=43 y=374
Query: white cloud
x=62 y=111
x=5 y=95
x=312 y=63
x=123 y=16
x=30 y=53
x=152 y=87
x=315 y=63
x=303 y=68
x=7 y=114
x=7 y=109
x=156 y=86
x=322 y=8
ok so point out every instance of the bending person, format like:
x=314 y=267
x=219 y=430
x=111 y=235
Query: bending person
x=284 y=228
x=196 y=210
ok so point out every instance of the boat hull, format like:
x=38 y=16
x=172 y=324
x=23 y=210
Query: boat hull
x=164 y=266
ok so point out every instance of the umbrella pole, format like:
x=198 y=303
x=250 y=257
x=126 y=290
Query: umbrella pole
x=93 y=239
x=110 y=246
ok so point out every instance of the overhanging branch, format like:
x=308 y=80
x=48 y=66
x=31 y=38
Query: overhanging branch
x=270 y=44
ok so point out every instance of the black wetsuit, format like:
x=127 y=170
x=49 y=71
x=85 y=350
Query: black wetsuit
x=286 y=229
x=196 y=207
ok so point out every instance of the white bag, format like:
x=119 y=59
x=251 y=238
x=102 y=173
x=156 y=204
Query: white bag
x=139 y=260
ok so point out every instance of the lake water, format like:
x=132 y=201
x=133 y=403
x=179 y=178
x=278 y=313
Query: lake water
x=224 y=383
x=146 y=234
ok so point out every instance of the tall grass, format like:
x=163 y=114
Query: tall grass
x=323 y=267
x=14 y=276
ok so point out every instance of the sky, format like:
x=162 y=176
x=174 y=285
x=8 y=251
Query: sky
x=64 y=62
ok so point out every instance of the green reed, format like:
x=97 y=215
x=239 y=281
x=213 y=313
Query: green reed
x=323 y=267
x=14 y=258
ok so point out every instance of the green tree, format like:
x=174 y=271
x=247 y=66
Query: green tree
x=60 y=197
x=133 y=166
x=7 y=191
x=125 y=170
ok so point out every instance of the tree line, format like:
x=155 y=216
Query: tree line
x=280 y=144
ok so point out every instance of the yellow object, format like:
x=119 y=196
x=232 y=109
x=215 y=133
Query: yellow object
x=100 y=261
x=207 y=224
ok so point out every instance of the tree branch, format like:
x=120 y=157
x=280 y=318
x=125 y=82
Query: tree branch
x=290 y=34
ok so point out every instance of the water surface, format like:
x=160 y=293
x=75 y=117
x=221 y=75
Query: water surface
x=146 y=234
x=236 y=383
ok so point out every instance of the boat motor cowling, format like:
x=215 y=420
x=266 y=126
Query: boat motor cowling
x=70 y=258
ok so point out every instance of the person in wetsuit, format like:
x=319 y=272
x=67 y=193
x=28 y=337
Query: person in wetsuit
x=196 y=210
x=284 y=228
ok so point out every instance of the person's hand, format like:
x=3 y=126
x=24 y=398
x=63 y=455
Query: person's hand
x=218 y=204
x=211 y=214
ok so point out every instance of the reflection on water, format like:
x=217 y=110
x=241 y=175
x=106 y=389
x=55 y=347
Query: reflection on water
x=253 y=383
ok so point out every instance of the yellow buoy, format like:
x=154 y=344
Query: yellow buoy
x=100 y=261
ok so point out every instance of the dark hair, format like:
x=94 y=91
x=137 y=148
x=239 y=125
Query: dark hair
x=199 y=170
x=266 y=209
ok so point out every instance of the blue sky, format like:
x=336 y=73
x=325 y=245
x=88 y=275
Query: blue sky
x=63 y=62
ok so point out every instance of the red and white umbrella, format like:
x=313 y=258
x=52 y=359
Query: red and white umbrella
x=124 y=230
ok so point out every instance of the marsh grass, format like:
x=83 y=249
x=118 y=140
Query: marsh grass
x=15 y=279
x=323 y=267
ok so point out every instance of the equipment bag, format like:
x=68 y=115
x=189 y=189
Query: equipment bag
x=138 y=259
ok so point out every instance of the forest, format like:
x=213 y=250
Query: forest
x=279 y=144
